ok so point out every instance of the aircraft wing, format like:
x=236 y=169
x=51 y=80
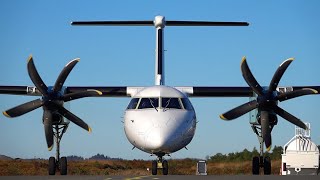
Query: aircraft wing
x=19 y=90
x=126 y=91
x=107 y=91
x=211 y=91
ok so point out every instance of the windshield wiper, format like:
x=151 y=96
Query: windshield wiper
x=151 y=102
x=167 y=104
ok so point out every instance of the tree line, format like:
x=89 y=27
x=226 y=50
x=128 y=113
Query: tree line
x=245 y=155
x=95 y=157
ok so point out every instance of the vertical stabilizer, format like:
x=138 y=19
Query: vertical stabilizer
x=159 y=23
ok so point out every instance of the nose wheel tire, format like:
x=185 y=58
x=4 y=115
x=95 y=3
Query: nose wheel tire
x=154 y=167
x=160 y=164
x=165 y=167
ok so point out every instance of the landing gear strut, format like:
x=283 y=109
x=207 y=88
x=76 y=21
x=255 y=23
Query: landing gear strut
x=160 y=164
x=260 y=161
x=57 y=163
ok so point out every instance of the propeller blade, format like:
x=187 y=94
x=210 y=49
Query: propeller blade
x=47 y=122
x=251 y=81
x=265 y=129
x=23 y=108
x=278 y=74
x=239 y=111
x=35 y=77
x=64 y=74
x=296 y=93
x=73 y=118
x=77 y=95
x=289 y=117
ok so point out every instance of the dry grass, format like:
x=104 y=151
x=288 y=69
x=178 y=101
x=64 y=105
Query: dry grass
x=238 y=168
x=125 y=167
x=23 y=167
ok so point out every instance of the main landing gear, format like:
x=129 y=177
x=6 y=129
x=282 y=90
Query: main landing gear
x=260 y=161
x=160 y=164
x=57 y=163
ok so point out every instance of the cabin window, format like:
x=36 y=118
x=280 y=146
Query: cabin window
x=172 y=103
x=187 y=104
x=149 y=103
x=133 y=103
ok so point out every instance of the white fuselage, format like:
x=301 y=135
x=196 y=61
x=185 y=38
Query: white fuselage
x=160 y=120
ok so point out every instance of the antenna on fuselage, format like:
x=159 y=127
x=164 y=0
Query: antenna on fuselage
x=159 y=23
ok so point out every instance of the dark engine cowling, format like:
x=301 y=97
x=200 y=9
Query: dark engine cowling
x=273 y=119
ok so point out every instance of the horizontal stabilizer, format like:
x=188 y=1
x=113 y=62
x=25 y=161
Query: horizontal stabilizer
x=151 y=23
x=112 y=23
x=205 y=23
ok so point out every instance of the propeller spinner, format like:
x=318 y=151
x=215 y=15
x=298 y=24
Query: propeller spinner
x=52 y=100
x=267 y=101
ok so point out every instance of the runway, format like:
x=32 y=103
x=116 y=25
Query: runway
x=174 y=177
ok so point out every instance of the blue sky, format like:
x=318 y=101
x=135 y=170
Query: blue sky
x=124 y=56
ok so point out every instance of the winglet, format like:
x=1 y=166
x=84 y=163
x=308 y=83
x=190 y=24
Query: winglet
x=50 y=148
x=6 y=114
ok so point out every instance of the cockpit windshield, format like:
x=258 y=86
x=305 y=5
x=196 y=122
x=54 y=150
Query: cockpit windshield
x=149 y=103
x=187 y=104
x=133 y=103
x=166 y=103
x=170 y=103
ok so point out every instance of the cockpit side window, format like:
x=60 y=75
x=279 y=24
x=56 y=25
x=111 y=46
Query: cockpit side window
x=187 y=104
x=133 y=103
x=149 y=103
x=170 y=103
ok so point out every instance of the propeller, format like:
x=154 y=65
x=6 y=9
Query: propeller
x=267 y=101
x=52 y=100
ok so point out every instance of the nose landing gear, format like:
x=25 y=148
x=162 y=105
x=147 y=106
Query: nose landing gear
x=160 y=164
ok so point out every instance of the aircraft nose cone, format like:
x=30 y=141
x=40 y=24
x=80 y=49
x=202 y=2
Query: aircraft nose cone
x=158 y=140
x=155 y=139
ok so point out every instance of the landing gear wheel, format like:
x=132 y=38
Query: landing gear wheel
x=255 y=165
x=165 y=167
x=154 y=167
x=52 y=166
x=63 y=166
x=267 y=165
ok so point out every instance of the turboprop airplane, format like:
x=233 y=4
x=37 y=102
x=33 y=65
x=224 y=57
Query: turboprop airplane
x=159 y=119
